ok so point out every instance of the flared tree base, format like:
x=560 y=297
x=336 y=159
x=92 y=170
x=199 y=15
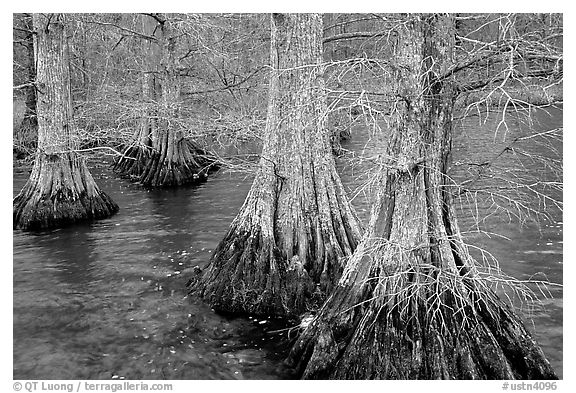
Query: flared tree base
x=282 y=257
x=177 y=166
x=433 y=331
x=253 y=278
x=60 y=191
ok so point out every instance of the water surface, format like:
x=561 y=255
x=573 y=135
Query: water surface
x=107 y=299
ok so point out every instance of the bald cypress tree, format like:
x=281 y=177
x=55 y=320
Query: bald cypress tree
x=60 y=189
x=410 y=303
x=288 y=244
x=161 y=154
x=27 y=134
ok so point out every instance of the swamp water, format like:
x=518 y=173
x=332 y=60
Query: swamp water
x=107 y=300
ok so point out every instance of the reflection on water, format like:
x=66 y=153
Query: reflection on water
x=107 y=299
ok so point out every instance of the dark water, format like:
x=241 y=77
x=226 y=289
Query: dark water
x=107 y=299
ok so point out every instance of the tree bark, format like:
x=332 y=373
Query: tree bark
x=60 y=189
x=27 y=135
x=411 y=304
x=287 y=246
x=160 y=154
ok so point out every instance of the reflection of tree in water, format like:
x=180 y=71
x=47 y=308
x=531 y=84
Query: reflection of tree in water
x=72 y=252
x=173 y=212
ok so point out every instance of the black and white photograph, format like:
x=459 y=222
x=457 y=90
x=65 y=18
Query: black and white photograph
x=286 y=196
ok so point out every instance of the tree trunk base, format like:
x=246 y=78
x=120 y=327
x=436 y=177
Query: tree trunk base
x=60 y=191
x=188 y=165
x=248 y=275
x=437 y=331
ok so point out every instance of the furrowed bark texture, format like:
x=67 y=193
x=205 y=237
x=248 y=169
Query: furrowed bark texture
x=60 y=189
x=287 y=246
x=26 y=137
x=410 y=304
x=161 y=155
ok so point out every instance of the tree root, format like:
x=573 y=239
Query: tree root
x=60 y=191
x=250 y=276
x=437 y=329
x=187 y=165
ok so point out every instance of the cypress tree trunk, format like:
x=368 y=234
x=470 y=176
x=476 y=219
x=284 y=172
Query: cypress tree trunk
x=27 y=135
x=60 y=189
x=160 y=155
x=288 y=244
x=410 y=304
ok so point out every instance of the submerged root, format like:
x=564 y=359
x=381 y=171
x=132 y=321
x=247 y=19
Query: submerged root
x=185 y=164
x=60 y=191
x=419 y=326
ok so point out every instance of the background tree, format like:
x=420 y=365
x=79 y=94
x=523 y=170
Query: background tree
x=161 y=156
x=290 y=240
x=26 y=133
x=508 y=60
x=60 y=190
x=221 y=103
x=222 y=77
x=412 y=303
x=352 y=42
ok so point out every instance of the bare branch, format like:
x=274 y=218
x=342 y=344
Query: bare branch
x=353 y=35
x=125 y=29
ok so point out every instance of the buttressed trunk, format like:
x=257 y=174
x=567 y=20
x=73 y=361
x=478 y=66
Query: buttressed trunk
x=161 y=155
x=60 y=189
x=287 y=246
x=410 y=304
